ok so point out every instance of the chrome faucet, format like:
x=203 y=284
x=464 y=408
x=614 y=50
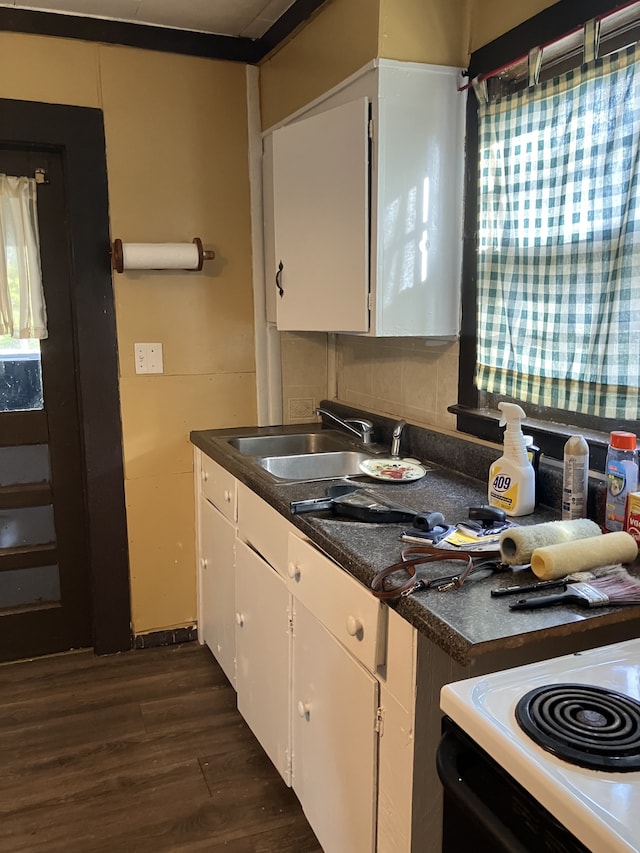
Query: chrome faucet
x=395 y=439
x=358 y=426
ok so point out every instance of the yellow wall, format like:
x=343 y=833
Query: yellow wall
x=411 y=378
x=416 y=31
x=493 y=18
x=338 y=41
x=176 y=139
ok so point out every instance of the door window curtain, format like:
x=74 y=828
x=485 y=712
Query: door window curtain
x=22 y=306
x=559 y=244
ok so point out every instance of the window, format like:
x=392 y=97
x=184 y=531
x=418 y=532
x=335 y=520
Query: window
x=22 y=308
x=20 y=375
x=551 y=297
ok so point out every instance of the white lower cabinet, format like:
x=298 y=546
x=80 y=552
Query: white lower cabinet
x=263 y=653
x=324 y=673
x=334 y=738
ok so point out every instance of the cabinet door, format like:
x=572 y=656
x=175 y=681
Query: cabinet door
x=217 y=586
x=270 y=262
x=417 y=208
x=395 y=777
x=335 y=702
x=263 y=640
x=321 y=220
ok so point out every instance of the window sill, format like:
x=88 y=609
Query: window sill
x=549 y=437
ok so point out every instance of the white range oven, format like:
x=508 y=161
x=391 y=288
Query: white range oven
x=545 y=757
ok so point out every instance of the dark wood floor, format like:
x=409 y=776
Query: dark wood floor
x=143 y=751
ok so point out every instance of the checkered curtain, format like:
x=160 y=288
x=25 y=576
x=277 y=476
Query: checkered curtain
x=559 y=243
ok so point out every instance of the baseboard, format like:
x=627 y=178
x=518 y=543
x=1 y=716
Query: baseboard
x=165 y=638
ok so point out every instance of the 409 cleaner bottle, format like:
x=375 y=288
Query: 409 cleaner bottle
x=511 y=477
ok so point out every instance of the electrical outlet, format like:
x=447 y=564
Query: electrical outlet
x=301 y=407
x=148 y=358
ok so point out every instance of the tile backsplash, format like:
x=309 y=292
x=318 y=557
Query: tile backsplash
x=305 y=378
x=413 y=378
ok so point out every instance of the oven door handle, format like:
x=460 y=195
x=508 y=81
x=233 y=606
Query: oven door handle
x=449 y=752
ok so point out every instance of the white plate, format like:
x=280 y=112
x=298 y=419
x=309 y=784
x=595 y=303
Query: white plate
x=392 y=470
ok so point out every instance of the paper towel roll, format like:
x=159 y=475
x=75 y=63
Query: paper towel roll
x=556 y=561
x=160 y=256
x=518 y=543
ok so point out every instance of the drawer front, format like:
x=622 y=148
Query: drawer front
x=263 y=528
x=219 y=487
x=344 y=606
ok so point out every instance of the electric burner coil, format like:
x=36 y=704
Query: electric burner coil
x=589 y=726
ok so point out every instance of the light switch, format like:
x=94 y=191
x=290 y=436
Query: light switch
x=148 y=358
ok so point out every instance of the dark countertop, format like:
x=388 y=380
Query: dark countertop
x=467 y=623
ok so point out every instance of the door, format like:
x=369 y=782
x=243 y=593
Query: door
x=44 y=573
x=321 y=220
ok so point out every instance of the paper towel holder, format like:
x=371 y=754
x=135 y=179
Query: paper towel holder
x=117 y=255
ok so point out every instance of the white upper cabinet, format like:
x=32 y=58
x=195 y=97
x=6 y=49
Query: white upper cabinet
x=364 y=212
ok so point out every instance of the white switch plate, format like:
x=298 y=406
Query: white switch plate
x=148 y=358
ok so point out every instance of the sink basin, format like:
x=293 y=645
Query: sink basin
x=314 y=466
x=326 y=454
x=293 y=444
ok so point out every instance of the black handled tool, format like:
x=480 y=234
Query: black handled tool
x=613 y=589
x=530 y=587
x=487 y=515
x=428 y=520
x=363 y=505
x=319 y=504
x=357 y=503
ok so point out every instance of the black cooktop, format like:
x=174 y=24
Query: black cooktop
x=585 y=725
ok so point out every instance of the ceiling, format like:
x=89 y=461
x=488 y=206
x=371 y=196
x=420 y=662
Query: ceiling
x=237 y=30
x=237 y=18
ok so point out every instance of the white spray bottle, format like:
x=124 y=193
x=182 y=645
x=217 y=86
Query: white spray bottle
x=512 y=485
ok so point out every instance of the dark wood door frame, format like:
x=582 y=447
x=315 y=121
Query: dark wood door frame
x=78 y=133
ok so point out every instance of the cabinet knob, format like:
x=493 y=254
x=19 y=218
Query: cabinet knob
x=227 y=496
x=293 y=570
x=354 y=626
x=205 y=476
x=204 y=562
x=304 y=710
x=239 y=620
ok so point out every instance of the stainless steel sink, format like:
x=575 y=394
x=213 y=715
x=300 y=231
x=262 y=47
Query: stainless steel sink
x=314 y=466
x=292 y=444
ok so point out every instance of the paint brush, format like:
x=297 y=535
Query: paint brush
x=608 y=591
x=576 y=577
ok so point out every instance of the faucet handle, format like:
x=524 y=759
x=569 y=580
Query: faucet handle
x=364 y=424
x=366 y=427
x=360 y=427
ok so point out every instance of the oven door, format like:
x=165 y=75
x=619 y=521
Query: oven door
x=485 y=807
